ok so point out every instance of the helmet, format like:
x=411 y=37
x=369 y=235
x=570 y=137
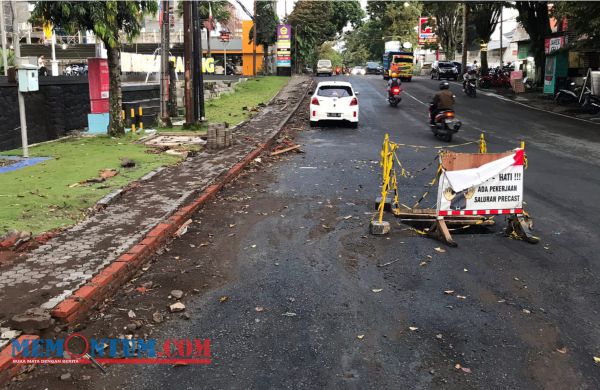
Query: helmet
x=444 y=85
x=394 y=75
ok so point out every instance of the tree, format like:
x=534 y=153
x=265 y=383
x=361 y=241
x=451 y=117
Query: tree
x=266 y=26
x=533 y=15
x=485 y=17
x=316 y=22
x=107 y=19
x=328 y=51
x=10 y=58
x=583 y=20
x=220 y=10
x=448 y=25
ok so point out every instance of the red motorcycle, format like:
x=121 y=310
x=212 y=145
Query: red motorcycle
x=495 y=79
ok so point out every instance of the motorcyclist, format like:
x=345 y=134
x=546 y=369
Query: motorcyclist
x=470 y=74
x=394 y=81
x=442 y=100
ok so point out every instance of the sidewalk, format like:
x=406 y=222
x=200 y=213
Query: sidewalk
x=49 y=274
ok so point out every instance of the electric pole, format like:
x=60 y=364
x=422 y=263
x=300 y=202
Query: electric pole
x=187 y=54
x=254 y=41
x=198 y=76
x=465 y=37
x=164 y=64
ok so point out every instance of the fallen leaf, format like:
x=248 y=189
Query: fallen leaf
x=204 y=244
x=259 y=309
x=440 y=250
x=413 y=328
x=449 y=292
x=502 y=301
x=254 y=246
x=438 y=336
x=465 y=369
x=457 y=366
x=562 y=350
x=376 y=290
x=289 y=314
x=131 y=314
x=141 y=289
x=596 y=359
x=360 y=336
x=423 y=263
x=223 y=299
x=348 y=217
x=461 y=297
x=232 y=225
x=429 y=257
x=326 y=227
x=526 y=311
x=465 y=270
x=108 y=173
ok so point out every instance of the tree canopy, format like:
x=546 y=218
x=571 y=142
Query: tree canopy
x=485 y=18
x=448 y=25
x=533 y=15
x=583 y=18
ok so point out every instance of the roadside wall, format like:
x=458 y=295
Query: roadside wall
x=61 y=105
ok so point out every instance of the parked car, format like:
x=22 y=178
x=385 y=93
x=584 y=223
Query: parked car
x=324 y=67
x=373 y=68
x=358 y=70
x=334 y=100
x=444 y=70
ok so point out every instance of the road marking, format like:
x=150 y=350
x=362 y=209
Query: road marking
x=409 y=95
x=500 y=97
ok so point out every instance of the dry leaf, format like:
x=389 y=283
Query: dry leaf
x=108 y=173
x=465 y=369
x=223 y=299
x=596 y=359
x=253 y=245
x=457 y=366
x=429 y=257
x=449 y=292
x=439 y=336
x=326 y=227
x=376 y=290
x=461 y=297
x=423 y=263
x=465 y=270
x=289 y=314
x=360 y=336
x=526 y=311
x=259 y=309
x=562 y=350
x=232 y=225
x=440 y=250
x=348 y=217
x=141 y=289
x=413 y=328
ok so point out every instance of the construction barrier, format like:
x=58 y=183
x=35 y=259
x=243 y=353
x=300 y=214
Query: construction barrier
x=472 y=188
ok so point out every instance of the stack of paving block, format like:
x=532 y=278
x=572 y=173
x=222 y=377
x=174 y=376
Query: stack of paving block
x=219 y=136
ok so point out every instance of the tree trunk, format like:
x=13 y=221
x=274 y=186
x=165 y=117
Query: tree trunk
x=484 y=61
x=265 y=59
x=465 y=38
x=116 y=127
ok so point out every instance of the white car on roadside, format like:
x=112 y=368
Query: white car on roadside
x=334 y=101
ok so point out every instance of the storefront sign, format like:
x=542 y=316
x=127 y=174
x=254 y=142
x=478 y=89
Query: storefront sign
x=426 y=34
x=554 y=44
x=284 y=45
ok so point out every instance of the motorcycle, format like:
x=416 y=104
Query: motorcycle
x=445 y=124
x=470 y=87
x=567 y=96
x=591 y=103
x=394 y=96
x=495 y=78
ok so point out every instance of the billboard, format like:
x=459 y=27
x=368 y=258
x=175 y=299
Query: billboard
x=284 y=45
x=426 y=32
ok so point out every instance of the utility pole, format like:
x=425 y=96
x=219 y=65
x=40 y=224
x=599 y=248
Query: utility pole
x=54 y=62
x=3 y=32
x=22 y=112
x=187 y=54
x=501 y=14
x=465 y=37
x=164 y=64
x=198 y=76
x=254 y=41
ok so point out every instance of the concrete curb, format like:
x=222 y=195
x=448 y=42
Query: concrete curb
x=124 y=267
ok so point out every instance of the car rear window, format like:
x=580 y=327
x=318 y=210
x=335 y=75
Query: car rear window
x=334 y=91
x=324 y=63
x=372 y=64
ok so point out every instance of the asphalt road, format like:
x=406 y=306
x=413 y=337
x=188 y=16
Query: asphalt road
x=292 y=237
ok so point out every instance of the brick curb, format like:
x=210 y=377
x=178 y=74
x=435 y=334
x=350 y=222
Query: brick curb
x=125 y=266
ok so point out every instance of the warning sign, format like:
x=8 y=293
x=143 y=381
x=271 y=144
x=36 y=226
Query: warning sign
x=481 y=184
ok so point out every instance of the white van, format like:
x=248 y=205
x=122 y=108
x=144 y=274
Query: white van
x=324 y=67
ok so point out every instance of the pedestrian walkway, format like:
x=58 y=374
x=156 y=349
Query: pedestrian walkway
x=48 y=274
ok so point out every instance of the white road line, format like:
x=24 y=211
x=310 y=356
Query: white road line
x=409 y=95
x=500 y=97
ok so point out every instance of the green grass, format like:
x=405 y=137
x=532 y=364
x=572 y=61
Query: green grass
x=229 y=107
x=38 y=198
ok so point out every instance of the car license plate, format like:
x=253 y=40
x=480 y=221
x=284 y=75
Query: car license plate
x=334 y=115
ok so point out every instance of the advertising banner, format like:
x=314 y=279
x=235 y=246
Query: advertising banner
x=426 y=34
x=553 y=44
x=284 y=45
x=481 y=184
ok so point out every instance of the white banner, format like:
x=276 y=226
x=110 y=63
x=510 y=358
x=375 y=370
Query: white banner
x=492 y=188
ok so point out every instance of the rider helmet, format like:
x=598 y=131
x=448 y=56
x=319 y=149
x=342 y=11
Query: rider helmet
x=394 y=75
x=444 y=85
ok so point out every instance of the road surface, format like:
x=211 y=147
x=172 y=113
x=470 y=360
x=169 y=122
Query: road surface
x=308 y=304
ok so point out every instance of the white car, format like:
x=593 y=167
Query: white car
x=359 y=70
x=334 y=100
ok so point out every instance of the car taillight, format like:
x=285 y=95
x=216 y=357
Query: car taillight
x=396 y=90
x=354 y=102
x=314 y=101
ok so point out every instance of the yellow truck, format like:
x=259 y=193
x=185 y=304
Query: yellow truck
x=401 y=63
